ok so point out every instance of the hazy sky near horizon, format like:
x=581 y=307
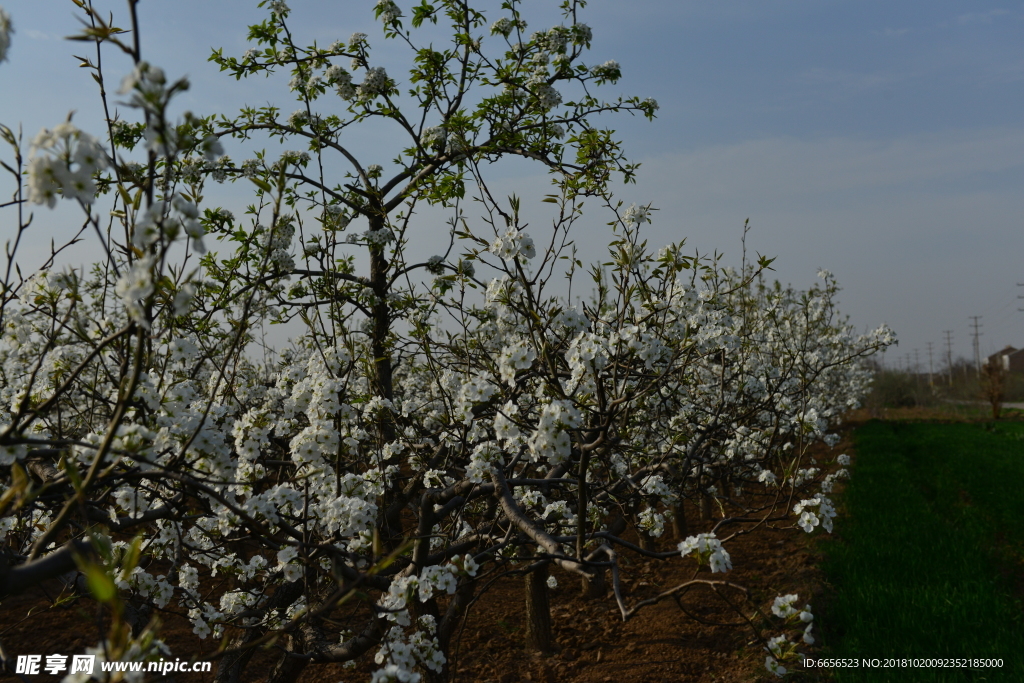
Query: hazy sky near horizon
x=882 y=141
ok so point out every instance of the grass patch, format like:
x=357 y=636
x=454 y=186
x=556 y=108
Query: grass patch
x=927 y=562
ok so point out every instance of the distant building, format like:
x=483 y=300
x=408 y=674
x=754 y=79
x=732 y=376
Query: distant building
x=1009 y=359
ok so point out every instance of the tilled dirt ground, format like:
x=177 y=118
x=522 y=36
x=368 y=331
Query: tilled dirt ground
x=661 y=643
x=700 y=637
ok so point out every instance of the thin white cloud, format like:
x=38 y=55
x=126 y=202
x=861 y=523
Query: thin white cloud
x=889 y=32
x=996 y=73
x=38 y=35
x=838 y=84
x=981 y=17
x=781 y=169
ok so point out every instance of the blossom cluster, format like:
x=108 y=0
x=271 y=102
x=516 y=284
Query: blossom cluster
x=809 y=518
x=64 y=162
x=708 y=550
x=780 y=648
x=512 y=243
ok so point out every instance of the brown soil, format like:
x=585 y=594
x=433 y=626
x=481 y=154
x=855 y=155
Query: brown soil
x=700 y=639
x=661 y=643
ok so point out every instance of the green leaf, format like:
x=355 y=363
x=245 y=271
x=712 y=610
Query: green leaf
x=134 y=554
x=71 y=470
x=19 y=490
x=100 y=584
x=260 y=183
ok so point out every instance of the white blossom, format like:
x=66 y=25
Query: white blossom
x=783 y=606
x=135 y=287
x=609 y=71
x=708 y=550
x=774 y=667
x=387 y=11
x=375 y=83
x=64 y=161
x=635 y=215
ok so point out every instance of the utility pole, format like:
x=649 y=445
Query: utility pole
x=930 y=382
x=1020 y=296
x=917 y=363
x=977 y=349
x=949 y=354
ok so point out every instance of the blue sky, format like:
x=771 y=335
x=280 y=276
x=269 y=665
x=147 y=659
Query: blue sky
x=882 y=141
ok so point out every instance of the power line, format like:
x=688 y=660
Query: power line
x=949 y=354
x=930 y=381
x=977 y=350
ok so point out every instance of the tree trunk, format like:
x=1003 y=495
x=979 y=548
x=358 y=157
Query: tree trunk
x=594 y=586
x=231 y=666
x=679 y=519
x=446 y=629
x=644 y=540
x=390 y=523
x=289 y=669
x=705 y=506
x=538 y=610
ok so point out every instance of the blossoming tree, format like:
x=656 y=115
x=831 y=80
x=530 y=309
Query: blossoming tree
x=436 y=421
